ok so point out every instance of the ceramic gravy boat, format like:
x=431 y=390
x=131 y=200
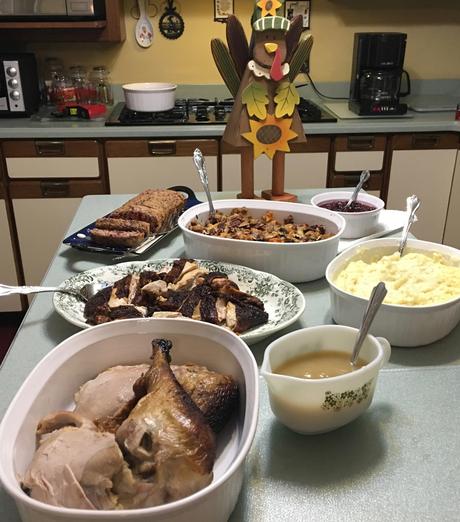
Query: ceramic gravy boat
x=311 y=406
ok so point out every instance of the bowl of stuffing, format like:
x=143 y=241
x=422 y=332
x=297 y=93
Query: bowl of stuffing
x=293 y=241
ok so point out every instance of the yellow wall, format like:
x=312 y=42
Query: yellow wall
x=433 y=48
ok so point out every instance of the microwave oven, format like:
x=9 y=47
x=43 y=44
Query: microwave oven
x=51 y=10
x=19 y=85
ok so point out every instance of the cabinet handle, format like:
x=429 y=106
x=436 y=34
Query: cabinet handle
x=50 y=148
x=361 y=142
x=425 y=142
x=55 y=189
x=351 y=180
x=162 y=148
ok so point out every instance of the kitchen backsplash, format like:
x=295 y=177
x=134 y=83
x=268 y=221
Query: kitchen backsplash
x=433 y=30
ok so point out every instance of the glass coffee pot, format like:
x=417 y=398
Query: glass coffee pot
x=381 y=86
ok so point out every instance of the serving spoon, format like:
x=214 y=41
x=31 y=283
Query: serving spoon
x=377 y=296
x=84 y=293
x=365 y=175
x=198 y=159
x=412 y=205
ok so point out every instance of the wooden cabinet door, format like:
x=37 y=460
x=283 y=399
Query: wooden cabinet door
x=41 y=226
x=137 y=165
x=7 y=266
x=427 y=171
x=306 y=167
x=452 y=230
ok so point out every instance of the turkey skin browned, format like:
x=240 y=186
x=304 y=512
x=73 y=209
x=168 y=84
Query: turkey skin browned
x=169 y=446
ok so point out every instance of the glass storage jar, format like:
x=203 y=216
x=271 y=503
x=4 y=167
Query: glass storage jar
x=101 y=85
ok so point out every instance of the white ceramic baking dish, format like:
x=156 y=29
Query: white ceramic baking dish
x=358 y=224
x=402 y=325
x=294 y=262
x=150 y=97
x=55 y=379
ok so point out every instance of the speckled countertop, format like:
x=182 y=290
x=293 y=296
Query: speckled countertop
x=23 y=128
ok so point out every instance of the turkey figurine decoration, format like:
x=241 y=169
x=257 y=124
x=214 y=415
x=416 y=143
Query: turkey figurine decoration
x=260 y=76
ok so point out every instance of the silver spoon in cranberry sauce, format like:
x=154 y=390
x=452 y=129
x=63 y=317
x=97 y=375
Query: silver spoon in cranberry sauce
x=365 y=175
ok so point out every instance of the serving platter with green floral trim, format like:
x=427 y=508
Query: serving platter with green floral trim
x=283 y=302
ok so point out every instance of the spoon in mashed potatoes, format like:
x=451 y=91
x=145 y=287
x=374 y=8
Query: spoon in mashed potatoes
x=412 y=205
x=376 y=299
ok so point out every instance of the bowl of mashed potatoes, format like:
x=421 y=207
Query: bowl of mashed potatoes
x=423 y=300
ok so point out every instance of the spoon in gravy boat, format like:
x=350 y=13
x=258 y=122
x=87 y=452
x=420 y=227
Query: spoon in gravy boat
x=365 y=175
x=412 y=205
x=84 y=293
x=377 y=296
x=198 y=159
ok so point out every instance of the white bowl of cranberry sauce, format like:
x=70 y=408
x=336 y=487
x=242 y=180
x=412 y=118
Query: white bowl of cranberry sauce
x=363 y=216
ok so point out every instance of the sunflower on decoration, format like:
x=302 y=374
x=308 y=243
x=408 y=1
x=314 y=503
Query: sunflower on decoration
x=260 y=76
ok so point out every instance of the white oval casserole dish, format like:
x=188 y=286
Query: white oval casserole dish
x=150 y=97
x=402 y=325
x=293 y=262
x=51 y=386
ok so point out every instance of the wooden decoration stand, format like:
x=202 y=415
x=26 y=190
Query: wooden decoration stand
x=277 y=192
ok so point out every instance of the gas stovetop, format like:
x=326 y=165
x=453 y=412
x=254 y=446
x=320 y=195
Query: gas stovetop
x=198 y=111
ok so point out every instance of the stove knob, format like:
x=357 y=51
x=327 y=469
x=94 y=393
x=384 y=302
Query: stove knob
x=202 y=114
x=219 y=113
x=13 y=83
x=15 y=95
x=11 y=71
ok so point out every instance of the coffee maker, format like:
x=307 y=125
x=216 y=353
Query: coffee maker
x=377 y=69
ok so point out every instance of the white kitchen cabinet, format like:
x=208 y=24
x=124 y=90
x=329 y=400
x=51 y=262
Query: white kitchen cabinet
x=452 y=230
x=137 y=165
x=423 y=165
x=305 y=167
x=41 y=226
x=7 y=267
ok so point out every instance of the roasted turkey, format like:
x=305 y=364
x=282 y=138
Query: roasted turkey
x=169 y=446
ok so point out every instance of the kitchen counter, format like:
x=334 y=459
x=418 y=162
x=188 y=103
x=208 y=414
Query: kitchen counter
x=23 y=128
x=399 y=461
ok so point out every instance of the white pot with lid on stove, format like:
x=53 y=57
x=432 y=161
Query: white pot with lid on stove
x=150 y=97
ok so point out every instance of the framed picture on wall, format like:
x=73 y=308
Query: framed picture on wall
x=222 y=10
x=294 y=8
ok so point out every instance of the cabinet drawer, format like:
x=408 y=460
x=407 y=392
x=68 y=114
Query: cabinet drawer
x=52 y=159
x=41 y=225
x=136 y=165
x=56 y=188
x=424 y=140
x=359 y=142
x=155 y=148
x=7 y=267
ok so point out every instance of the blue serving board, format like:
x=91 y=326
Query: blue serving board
x=82 y=239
